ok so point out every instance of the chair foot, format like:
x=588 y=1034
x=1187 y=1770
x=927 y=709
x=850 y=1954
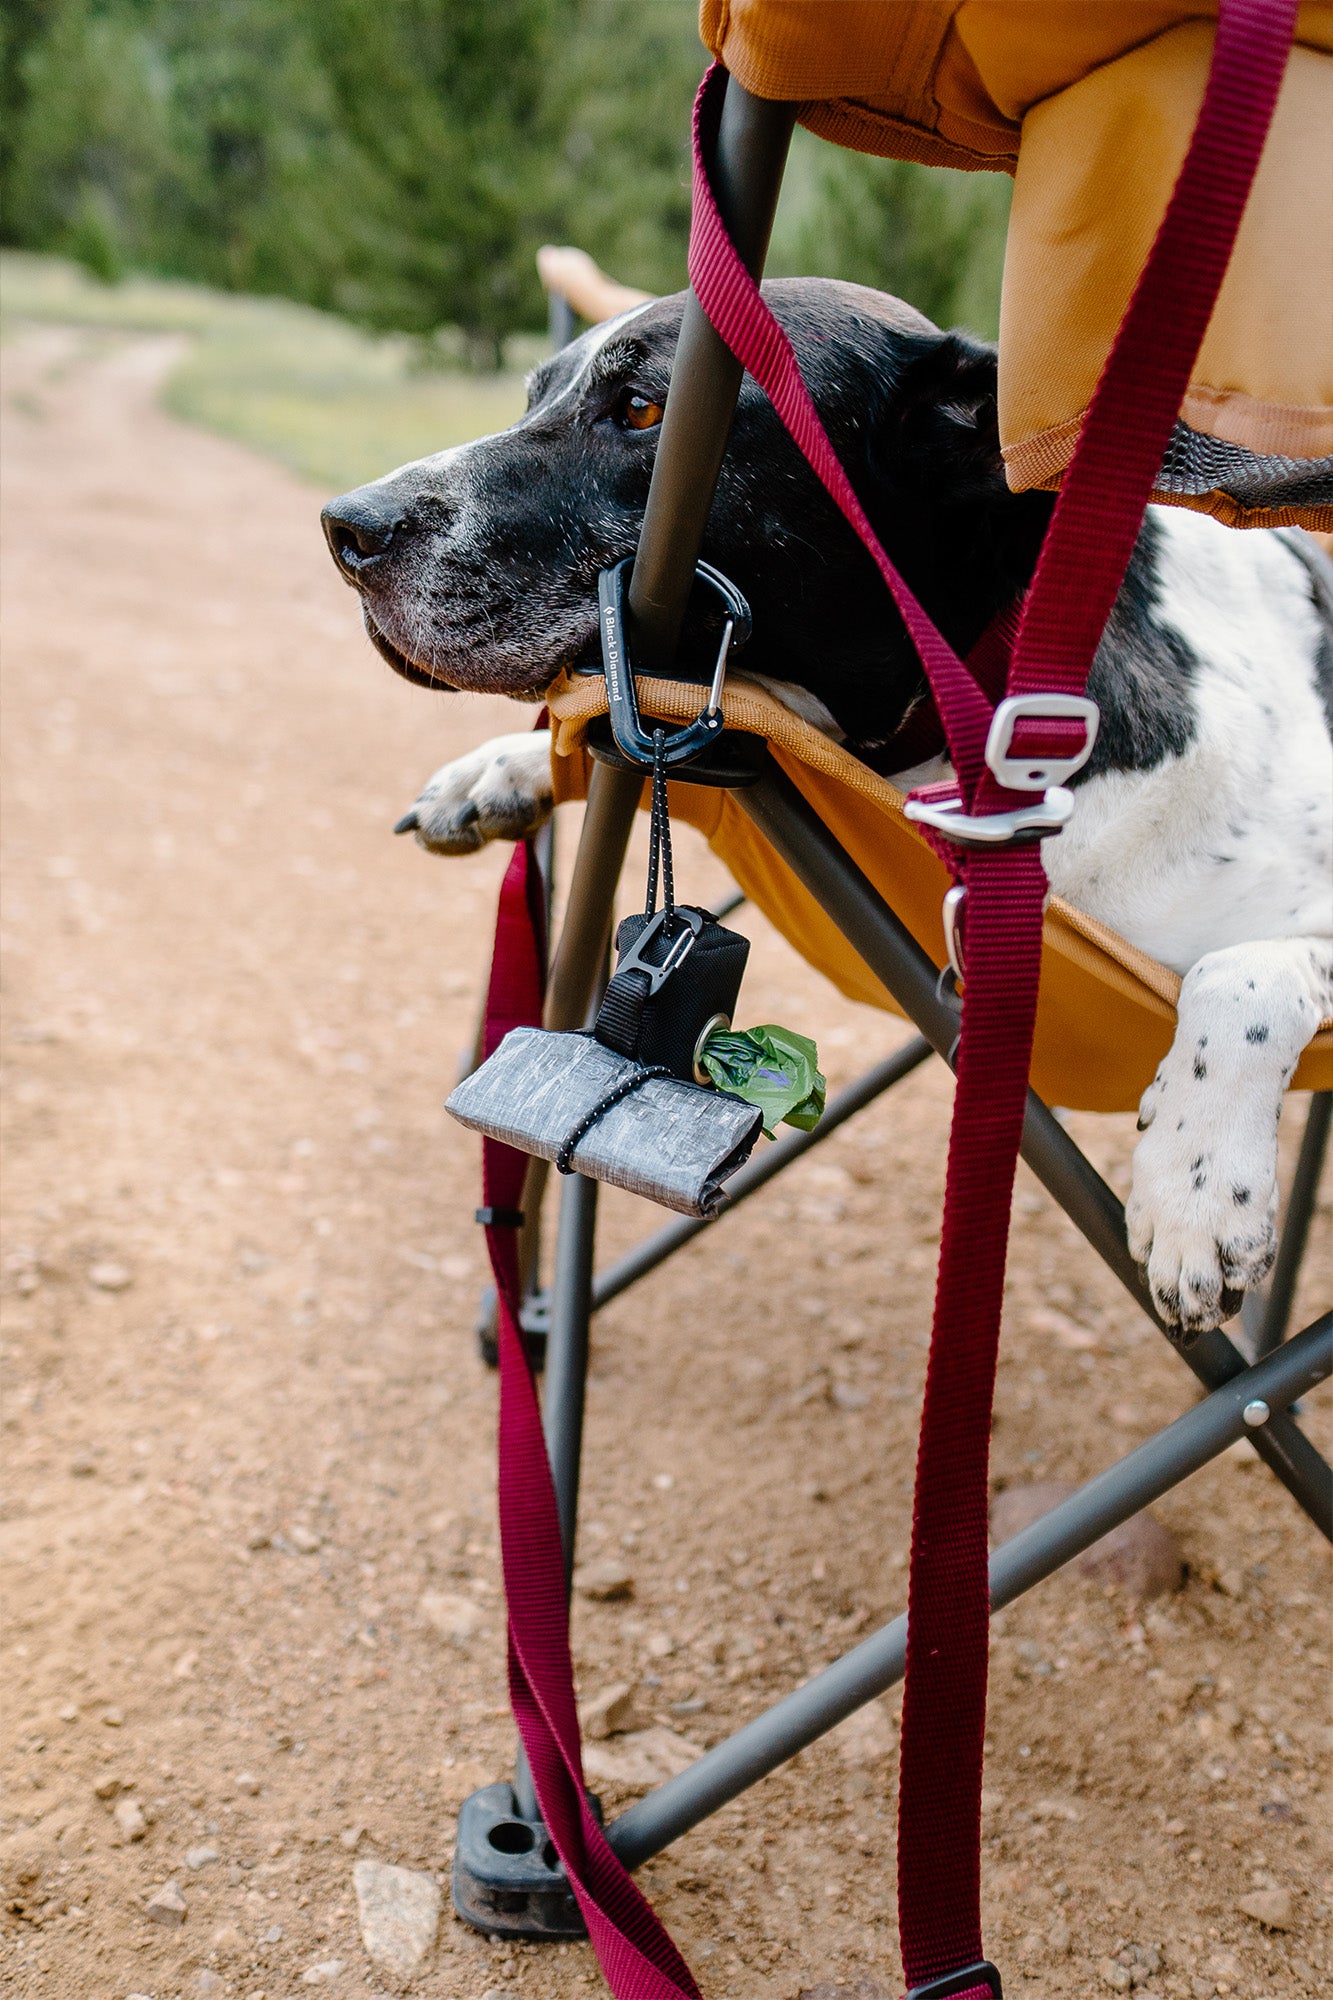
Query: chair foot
x=535 y=1320
x=507 y=1878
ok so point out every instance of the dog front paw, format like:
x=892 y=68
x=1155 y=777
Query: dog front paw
x=500 y=792
x=1201 y=1215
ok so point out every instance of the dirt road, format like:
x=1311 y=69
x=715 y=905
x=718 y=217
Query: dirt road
x=249 y=1443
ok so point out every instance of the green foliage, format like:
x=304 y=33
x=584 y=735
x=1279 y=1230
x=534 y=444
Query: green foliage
x=621 y=92
x=930 y=235
x=399 y=161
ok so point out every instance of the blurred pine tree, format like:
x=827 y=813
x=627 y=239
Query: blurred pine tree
x=400 y=160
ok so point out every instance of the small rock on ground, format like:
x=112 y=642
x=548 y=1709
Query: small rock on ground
x=109 y=1277
x=200 y=1857
x=166 y=1905
x=640 y=1760
x=454 y=1618
x=399 y=1914
x=1269 y=1907
x=323 y=1973
x=603 y=1581
x=129 y=1817
x=609 y=1713
x=865 y=1737
x=1140 y=1557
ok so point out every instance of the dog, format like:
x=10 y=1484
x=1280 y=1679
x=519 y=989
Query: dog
x=1203 y=829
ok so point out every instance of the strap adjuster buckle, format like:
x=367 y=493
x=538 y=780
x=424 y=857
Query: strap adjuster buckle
x=1000 y=829
x=1035 y=771
x=983 y=1973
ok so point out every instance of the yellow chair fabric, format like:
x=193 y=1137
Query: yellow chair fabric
x=1106 y=1012
x=1090 y=107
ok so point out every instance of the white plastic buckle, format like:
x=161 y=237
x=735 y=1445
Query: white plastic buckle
x=1002 y=829
x=1037 y=774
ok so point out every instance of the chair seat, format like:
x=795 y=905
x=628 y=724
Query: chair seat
x=1107 y=1011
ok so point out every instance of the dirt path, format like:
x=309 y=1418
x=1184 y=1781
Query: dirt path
x=233 y=1006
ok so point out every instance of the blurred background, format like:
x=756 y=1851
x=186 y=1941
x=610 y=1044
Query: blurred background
x=391 y=168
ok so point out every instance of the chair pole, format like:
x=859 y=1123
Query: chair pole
x=706 y=381
x=1273 y=1307
x=1157 y=1465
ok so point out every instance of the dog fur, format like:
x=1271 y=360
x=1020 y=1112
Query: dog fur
x=1203 y=830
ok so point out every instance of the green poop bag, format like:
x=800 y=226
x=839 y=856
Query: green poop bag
x=773 y=1068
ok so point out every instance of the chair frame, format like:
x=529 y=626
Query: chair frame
x=506 y=1878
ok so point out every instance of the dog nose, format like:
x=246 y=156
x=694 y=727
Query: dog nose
x=359 y=529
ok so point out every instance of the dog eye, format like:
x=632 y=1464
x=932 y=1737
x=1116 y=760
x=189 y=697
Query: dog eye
x=637 y=413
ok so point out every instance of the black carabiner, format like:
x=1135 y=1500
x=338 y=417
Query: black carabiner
x=632 y=739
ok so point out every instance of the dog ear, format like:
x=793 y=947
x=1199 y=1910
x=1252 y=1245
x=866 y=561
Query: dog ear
x=936 y=433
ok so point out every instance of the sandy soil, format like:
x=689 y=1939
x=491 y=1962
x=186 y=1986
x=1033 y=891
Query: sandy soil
x=234 y=1005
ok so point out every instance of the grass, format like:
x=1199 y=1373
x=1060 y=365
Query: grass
x=337 y=405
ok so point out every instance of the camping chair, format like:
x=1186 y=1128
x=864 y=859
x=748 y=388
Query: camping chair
x=824 y=848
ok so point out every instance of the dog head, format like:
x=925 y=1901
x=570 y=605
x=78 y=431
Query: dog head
x=478 y=567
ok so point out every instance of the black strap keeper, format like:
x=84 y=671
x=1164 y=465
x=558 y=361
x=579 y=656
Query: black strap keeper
x=982 y=1973
x=500 y=1218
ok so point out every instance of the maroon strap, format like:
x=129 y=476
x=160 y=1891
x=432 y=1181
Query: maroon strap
x=1080 y=571
x=636 y=1954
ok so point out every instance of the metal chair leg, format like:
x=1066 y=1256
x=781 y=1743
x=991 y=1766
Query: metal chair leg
x=730 y=1768
x=506 y=1879
x=1267 y=1314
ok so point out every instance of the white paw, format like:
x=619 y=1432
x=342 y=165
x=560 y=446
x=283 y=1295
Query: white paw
x=500 y=792
x=1201 y=1214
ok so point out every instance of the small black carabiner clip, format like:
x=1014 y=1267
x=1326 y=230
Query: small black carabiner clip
x=633 y=740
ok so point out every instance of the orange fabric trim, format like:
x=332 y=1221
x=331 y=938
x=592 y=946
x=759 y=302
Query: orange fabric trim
x=861 y=128
x=1106 y=1013
x=1038 y=464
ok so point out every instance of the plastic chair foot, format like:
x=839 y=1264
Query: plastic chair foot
x=507 y=1878
x=535 y=1319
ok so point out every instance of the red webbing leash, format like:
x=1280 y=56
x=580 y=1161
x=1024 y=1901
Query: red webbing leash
x=636 y=1954
x=1083 y=561
x=1093 y=531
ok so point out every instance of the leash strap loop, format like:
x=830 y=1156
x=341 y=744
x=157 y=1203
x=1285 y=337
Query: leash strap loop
x=1082 y=565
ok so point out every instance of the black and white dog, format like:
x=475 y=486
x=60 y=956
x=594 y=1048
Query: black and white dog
x=1204 y=826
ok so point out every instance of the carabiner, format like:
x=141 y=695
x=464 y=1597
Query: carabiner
x=632 y=739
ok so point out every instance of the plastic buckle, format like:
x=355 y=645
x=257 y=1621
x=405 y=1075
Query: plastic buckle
x=953 y=931
x=678 y=949
x=633 y=740
x=999 y=829
x=1020 y=773
x=983 y=1973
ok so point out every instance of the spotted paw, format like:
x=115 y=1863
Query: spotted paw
x=500 y=792
x=1201 y=1214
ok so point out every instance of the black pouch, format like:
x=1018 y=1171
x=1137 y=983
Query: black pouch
x=677 y=977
